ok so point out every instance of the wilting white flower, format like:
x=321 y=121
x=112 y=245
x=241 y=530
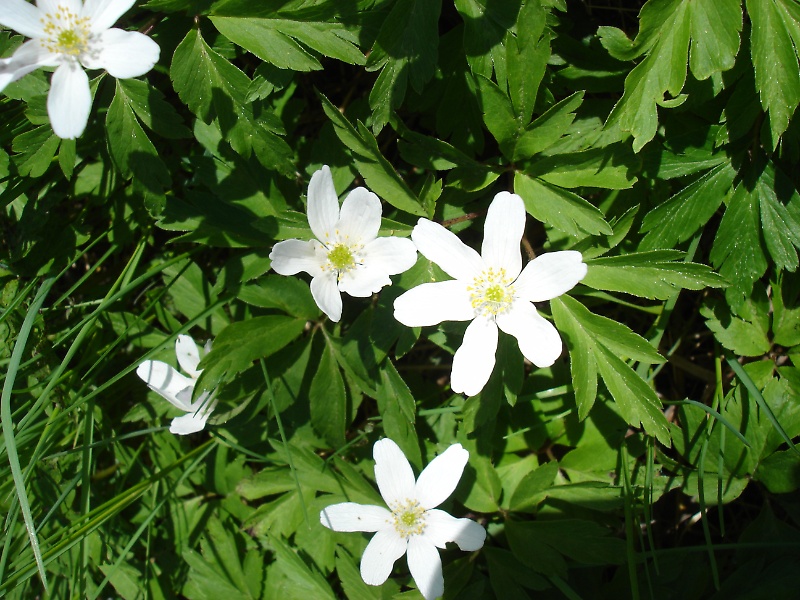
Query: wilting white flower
x=70 y=34
x=412 y=524
x=492 y=290
x=347 y=256
x=177 y=388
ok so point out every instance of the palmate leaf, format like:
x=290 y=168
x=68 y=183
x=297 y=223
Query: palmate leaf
x=406 y=52
x=378 y=173
x=666 y=28
x=595 y=346
x=774 y=37
x=763 y=216
x=216 y=91
x=658 y=274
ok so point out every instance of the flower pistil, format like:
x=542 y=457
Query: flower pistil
x=67 y=33
x=408 y=518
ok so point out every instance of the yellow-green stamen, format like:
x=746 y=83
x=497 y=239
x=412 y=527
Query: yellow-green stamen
x=67 y=33
x=408 y=518
x=491 y=293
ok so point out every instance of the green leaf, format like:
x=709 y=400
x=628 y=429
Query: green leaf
x=35 y=150
x=132 y=151
x=780 y=223
x=399 y=411
x=595 y=345
x=289 y=294
x=485 y=27
x=528 y=494
x=378 y=173
x=716 y=25
x=152 y=109
x=309 y=583
x=738 y=250
x=772 y=46
x=559 y=208
x=284 y=42
x=677 y=219
x=328 y=400
x=745 y=332
x=241 y=343
x=527 y=54
x=610 y=167
x=659 y=274
x=548 y=129
x=406 y=50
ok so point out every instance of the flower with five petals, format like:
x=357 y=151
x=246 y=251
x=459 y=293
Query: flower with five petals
x=412 y=524
x=177 y=389
x=73 y=35
x=347 y=256
x=490 y=289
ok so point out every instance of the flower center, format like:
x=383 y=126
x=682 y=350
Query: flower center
x=341 y=257
x=491 y=293
x=408 y=518
x=67 y=33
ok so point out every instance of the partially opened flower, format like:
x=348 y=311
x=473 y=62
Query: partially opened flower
x=412 y=524
x=177 y=388
x=72 y=35
x=347 y=256
x=490 y=289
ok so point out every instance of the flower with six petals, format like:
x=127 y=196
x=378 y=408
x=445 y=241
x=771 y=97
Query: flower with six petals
x=177 y=388
x=490 y=289
x=347 y=256
x=68 y=35
x=412 y=524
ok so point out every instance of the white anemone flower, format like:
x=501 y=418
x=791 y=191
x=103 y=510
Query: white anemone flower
x=69 y=35
x=490 y=289
x=347 y=256
x=412 y=524
x=177 y=388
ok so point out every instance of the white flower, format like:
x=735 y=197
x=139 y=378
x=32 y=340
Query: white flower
x=177 y=389
x=70 y=34
x=492 y=290
x=347 y=256
x=412 y=524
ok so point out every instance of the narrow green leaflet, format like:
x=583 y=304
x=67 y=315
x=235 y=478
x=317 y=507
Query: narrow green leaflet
x=310 y=584
x=35 y=150
x=547 y=129
x=527 y=54
x=611 y=167
x=658 y=274
x=677 y=219
x=133 y=152
x=285 y=43
x=560 y=208
x=152 y=109
x=406 y=50
x=328 y=400
x=485 y=27
x=398 y=409
x=595 y=345
x=772 y=46
x=378 y=173
x=745 y=332
x=666 y=28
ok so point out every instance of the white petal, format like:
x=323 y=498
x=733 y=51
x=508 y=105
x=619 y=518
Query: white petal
x=28 y=57
x=188 y=355
x=474 y=361
x=166 y=381
x=392 y=254
x=22 y=17
x=103 y=14
x=323 y=205
x=445 y=249
x=363 y=281
x=505 y=225
x=432 y=303
x=426 y=567
x=188 y=423
x=439 y=479
x=50 y=7
x=326 y=295
x=538 y=340
x=289 y=257
x=360 y=217
x=123 y=54
x=69 y=101
x=441 y=528
x=349 y=516
x=550 y=275
x=385 y=547
x=392 y=472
